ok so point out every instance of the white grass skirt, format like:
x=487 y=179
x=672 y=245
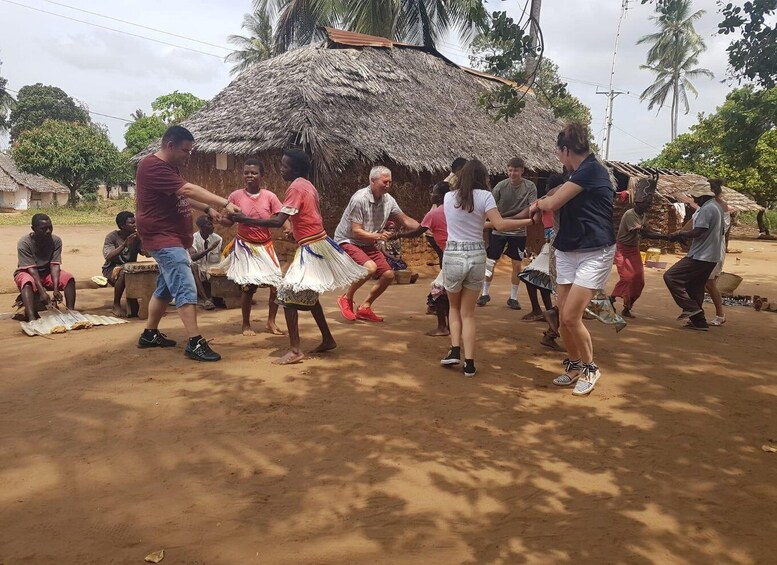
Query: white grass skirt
x=320 y=266
x=253 y=264
x=538 y=272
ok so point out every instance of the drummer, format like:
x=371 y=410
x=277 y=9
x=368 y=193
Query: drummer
x=121 y=246
x=40 y=256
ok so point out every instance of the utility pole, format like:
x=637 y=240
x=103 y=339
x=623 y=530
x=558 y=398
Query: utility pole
x=612 y=94
x=534 y=37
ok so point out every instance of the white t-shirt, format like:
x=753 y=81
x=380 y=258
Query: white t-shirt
x=466 y=226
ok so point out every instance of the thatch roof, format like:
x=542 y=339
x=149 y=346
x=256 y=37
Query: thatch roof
x=378 y=102
x=11 y=179
x=673 y=183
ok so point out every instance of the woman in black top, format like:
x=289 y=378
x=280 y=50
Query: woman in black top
x=585 y=247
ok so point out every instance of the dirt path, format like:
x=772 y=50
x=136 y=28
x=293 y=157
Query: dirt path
x=375 y=454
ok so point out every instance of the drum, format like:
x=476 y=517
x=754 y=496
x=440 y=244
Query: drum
x=141 y=282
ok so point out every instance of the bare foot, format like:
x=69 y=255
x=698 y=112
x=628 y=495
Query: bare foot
x=248 y=332
x=290 y=358
x=328 y=345
x=118 y=311
x=275 y=330
x=441 y=332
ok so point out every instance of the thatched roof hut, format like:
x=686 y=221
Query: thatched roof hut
x=355 y=101
x=663 y=214
x=20 y=191
x=363 y=98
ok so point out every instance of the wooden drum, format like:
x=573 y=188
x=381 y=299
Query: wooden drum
x=140 y=282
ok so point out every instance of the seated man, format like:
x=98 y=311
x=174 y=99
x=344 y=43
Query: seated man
x=40 y=255
x=205 y=253
x=121 y=246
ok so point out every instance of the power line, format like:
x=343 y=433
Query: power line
x=125 y=120
x=113 y=29
x=634 y=137
x=138 y=25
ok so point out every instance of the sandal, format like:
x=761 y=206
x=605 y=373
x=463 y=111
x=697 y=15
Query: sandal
x=566 y=379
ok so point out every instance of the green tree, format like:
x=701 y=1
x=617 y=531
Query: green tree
x=753 y=55
x=7 y=103
x=736 y=143
x=78 y=155
x=256 y=46
x=142 y=132
x=414 y=21
x=175 y=107
x=673 y=57
x=37 y=103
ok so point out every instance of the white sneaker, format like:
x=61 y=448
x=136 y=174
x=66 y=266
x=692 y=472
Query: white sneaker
x=587 y=380
x=718 y=321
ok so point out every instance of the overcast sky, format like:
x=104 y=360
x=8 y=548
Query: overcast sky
x=115 y=73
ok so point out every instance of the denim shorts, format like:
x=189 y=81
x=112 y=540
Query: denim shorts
x=175 y=278
x=463 y=265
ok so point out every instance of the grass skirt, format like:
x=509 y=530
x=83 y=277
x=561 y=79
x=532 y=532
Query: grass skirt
x=538 y=272
x=319 y=266
x=253 y=263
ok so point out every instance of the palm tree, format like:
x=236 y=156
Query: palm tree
x=137 y=115
x=257 y=46
x=413 y=21
x=673 y=56
x=7 y=104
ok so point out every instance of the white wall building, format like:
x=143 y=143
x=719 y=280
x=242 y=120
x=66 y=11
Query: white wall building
x=21 y=191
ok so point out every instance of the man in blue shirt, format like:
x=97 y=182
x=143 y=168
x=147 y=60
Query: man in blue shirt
x=686 y=279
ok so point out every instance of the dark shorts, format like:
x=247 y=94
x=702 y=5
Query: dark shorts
x=363 y=254
x=514 y=246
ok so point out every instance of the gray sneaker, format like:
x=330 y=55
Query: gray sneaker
x=514 y=304
x=483 y=300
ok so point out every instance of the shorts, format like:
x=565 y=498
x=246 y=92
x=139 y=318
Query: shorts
x=175 y=280
x=363 y=254
x=515 y=247
x=112 y=273
x=464 y=266
x=589 y=269
x=24 y=277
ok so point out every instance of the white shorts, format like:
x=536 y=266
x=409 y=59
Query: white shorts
x=589 y=269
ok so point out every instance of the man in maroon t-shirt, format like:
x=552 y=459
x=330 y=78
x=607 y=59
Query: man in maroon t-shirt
x=164 y=222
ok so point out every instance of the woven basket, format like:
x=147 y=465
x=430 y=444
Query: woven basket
x=728 y=283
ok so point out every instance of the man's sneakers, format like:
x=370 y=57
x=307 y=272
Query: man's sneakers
x=513 y=304
x=367 y=315
x=199 y=350
x=483 y=300
x=154 y=338
x=469 y=368
x=346 y=308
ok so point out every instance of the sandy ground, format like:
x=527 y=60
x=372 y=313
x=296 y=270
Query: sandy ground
x=375 y=454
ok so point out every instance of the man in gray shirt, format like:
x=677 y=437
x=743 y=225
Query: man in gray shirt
x=686 y=279
x=512 y=195
x=361 y=227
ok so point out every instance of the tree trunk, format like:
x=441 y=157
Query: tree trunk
x=73 y=200
x=675 y=106
x=763 y=225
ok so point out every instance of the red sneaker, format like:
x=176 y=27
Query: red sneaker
x=346 y=308
x=368 y=315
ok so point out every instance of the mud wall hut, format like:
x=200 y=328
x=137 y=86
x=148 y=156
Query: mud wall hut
x=663 y=215
x=356 y=101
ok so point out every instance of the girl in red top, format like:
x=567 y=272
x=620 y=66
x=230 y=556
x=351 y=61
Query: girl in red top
x=319 y=264
x=251 y=255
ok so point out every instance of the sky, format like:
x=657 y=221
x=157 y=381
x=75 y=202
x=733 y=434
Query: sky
x=115 y=73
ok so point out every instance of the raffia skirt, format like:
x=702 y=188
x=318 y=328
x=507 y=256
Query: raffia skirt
x=319 y=265
x=252 y=263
